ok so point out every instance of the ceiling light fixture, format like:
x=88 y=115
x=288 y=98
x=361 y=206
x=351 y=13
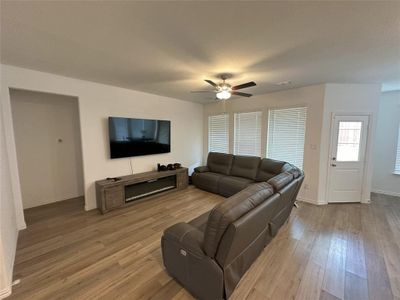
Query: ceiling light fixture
x=224 y=91
x=224 y=95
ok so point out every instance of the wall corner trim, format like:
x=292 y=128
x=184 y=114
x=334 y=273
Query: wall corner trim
x=21 y=225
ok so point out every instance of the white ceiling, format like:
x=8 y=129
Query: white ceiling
x=169 y=48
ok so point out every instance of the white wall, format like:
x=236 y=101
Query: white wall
x=49 y=170
x=312 y=97
x=96 y=103
x=383 y=179
x=8 y=219
x=362 y=99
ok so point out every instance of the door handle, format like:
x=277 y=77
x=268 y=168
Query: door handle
x=333 y=165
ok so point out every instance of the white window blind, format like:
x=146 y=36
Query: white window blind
x=247 y=133
x=286 y=134
x=397 y=164
x=218 y=133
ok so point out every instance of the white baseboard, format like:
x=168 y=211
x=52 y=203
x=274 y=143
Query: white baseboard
x=5 y=292
x=389 y=193
x=22 y=225
x=308 y=200
x=366 y=201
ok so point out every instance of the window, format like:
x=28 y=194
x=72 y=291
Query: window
x=349 y=137
x=397 y=164
x=218 y=133
x=247 y=133
x=286 y=134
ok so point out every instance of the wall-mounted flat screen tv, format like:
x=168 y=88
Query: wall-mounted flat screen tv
x=134 y=137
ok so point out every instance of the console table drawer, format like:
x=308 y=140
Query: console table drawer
x=114 y=197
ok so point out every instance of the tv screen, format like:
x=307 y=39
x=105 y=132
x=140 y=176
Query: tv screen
x=134 y=137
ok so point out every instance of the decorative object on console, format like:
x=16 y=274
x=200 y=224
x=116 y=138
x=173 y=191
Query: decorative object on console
x=168 y=167
x=113 y=178
x=161 y=167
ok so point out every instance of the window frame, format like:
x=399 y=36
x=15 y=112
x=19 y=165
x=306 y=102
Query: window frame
x=264 y=109
x=283 y=107
x=228 y=131
x=262 y=113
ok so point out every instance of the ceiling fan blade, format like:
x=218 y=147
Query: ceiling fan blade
x=241 y=94
x=202 y=91
x=211 y=82
x=244 y=85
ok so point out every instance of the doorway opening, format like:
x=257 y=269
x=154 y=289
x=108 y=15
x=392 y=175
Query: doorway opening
x=49 y=152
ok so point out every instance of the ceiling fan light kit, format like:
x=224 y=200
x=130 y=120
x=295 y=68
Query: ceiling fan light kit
x=224 y=95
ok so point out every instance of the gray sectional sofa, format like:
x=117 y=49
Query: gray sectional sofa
x=211 y=253
x=227 y=174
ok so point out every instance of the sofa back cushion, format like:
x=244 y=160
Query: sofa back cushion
x=244 y=240
x=222 y=215
x=220 y=162
x=245 y=166
x=281 y=180
x=242 y=234
x=269 y=168
x=295 y=171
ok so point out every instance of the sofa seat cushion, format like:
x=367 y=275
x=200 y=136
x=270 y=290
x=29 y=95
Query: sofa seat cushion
x=207 y=181
x=269 y=168
x=245 y=166
x=230 y=185
x=281 y=180
x=220 y=162
x=201 y=221
x=222 y=215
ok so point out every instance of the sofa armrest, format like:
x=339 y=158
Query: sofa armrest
x=185 y=260
x=201 y=169
x=187 y=236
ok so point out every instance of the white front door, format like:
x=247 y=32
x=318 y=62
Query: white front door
x=347 y=158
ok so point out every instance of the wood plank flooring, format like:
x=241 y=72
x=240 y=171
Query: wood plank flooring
x=336 y=251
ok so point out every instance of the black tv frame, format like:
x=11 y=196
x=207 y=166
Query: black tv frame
x=123 y=151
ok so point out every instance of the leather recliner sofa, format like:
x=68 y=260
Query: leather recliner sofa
x=211 y=253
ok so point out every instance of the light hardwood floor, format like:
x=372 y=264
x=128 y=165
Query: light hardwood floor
x=341 y=251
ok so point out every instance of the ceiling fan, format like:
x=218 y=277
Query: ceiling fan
x=224 y=90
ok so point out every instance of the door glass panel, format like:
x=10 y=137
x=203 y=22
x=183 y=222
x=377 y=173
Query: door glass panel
x=348 y=146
